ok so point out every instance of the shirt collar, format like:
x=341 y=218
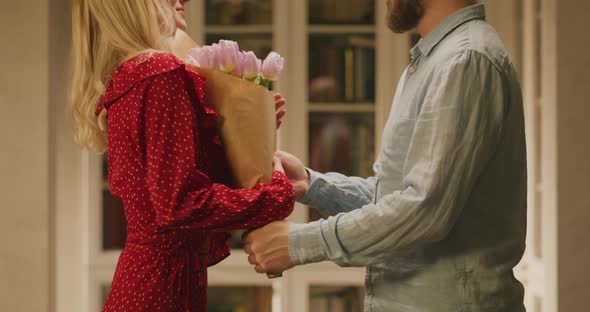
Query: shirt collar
x=428 y=43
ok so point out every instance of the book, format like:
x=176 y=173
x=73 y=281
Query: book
x=342 y=68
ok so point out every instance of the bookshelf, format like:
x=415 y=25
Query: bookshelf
x=340 y=29
x=249 y=30
x=342 y=68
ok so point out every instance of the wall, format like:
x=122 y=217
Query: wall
x=39 y=162
x=69 y=278
x=25 y=171
x=505 y=16
x=566 y=170
x=573 y=157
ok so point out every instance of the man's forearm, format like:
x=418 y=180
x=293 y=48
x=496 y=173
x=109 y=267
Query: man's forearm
x=333 y=193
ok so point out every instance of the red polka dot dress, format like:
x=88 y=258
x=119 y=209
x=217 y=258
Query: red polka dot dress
x=167 y=164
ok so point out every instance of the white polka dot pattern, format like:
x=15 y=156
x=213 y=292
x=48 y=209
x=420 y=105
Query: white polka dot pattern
x=166 y=162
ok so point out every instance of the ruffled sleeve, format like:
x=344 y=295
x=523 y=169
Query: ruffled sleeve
x=181 y=195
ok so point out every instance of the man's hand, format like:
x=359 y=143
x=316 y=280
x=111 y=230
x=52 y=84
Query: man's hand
x=268 y=248
x=295 y=171
x=281 y=112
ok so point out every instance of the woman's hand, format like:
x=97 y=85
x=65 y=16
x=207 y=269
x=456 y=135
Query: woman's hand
x=295 y=171
x=279 y=103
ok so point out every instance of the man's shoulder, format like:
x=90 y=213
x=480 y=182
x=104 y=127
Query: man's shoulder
x=475 y=37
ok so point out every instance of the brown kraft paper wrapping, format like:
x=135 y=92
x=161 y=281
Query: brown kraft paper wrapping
x=247 y=122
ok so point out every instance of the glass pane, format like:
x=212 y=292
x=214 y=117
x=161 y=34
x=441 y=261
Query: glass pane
x=342 y=68
x=114 y=226
x=336 y=299
x=259 y=43
x=341 y=12
x=342 y=142
x=231 y=12
x=239 y=299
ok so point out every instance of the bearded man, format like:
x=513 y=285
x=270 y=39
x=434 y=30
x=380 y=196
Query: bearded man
x=442 y=223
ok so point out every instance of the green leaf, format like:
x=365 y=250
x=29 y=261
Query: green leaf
x=259 y=80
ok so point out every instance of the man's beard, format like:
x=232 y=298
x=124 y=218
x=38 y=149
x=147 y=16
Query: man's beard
x=404 y=15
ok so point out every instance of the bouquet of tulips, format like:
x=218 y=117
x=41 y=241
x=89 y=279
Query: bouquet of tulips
x=238 y=90
x=227 y=57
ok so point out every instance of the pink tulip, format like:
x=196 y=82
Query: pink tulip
x=251 y=65
x=273 y=66
x=239 y=70
x=195 y=57
x=228 y=55
x=191 y=60
x=205 y=57
x=216 y=52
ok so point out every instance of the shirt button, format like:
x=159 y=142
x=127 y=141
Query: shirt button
x=412 y=69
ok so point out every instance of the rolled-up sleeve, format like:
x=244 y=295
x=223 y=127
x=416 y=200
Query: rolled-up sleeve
x=455 y=134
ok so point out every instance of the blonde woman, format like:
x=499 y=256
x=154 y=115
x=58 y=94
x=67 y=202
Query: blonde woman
x=166 y=161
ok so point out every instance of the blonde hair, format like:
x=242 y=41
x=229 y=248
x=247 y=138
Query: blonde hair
x=105 y=34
